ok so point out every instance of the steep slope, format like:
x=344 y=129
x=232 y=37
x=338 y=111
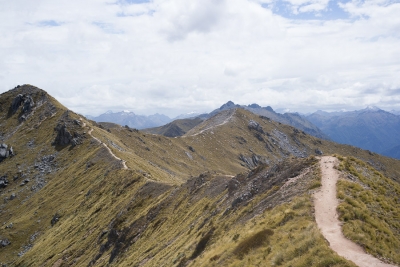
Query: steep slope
x=233 y=191
x=371 y=128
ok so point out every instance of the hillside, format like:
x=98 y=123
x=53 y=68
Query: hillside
x=235 y=190
x=176 y=128
x=372 y=128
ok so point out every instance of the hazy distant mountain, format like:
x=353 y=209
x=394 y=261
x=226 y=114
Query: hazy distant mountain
x=131 y=119
x=371 y=128
x=187 y=115
x=395 y=112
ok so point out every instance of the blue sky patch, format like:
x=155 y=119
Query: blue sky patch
x=49 y=23
x=285 y=9
x=107 y=27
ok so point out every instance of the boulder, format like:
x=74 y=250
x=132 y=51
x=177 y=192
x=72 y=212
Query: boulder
x=318 y=151
x=3 y=181
x=4 y=242
x=3 y=151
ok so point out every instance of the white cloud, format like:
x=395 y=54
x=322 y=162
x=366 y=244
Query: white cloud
x=177 y=56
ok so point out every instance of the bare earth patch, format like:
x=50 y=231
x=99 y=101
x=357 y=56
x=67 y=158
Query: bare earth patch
x=325 y=202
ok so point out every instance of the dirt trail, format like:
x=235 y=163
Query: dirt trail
x=109 y=150
x=327 y=219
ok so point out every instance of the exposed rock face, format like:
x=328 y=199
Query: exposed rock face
x=18 y=100
x=5 y=152
x=27 y=105
x=252 y=161
x=64 y=137
x=254 y=125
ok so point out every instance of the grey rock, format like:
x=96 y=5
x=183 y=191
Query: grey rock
x=55 y=219
x=4 y=242
x=3 y=151
x=3 y=181
x=318 y=151
x=13 y=196
x=28 y=104
x=64 y=137
x=18 y=100
x=253 y=125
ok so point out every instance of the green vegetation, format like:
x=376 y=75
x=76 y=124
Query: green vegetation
x=370 y=209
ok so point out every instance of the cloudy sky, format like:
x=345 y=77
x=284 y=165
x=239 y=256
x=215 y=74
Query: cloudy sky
x=177 y=56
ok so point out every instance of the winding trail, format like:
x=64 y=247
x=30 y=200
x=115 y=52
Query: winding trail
x=109 y=150
x=327 y=219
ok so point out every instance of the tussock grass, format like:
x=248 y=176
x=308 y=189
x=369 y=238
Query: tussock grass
x=253 y=242
x=370 y=209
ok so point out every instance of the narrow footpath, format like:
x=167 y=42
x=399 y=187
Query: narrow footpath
x=109 y=150
x=325 y=202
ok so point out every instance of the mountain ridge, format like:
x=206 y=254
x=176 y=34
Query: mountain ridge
x=202 y=199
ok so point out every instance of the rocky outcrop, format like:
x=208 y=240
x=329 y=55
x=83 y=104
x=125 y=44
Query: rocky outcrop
x=64 y=137
x=252 y=161
x=18 y=100
x=5 y=152
x=27 y=105
x=253 y=125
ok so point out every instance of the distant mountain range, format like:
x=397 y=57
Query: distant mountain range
x=371 y=128
x=180 y=127
x=131 y=119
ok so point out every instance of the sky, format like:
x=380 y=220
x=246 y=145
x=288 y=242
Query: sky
x=179 y=56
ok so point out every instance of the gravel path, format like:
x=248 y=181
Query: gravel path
x=327 y=219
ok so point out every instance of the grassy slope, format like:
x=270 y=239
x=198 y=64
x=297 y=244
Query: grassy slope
x=94 y=197
x=370 y=209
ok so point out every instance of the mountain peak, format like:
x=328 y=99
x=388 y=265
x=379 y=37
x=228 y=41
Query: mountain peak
x=254 y=106
x=227 y=105
x=372 y=108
